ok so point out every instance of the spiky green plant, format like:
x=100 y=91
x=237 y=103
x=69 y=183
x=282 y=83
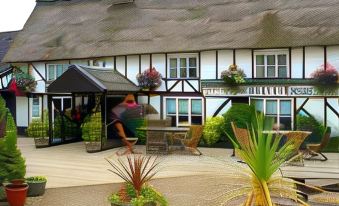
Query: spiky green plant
x=264 y=155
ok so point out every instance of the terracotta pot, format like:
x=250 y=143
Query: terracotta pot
x=16 y=194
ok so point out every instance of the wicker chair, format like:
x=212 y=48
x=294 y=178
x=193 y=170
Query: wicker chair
x=191 y=139
x=297 y=138
x=242 y=136
x=313 y=150
x=156 y=141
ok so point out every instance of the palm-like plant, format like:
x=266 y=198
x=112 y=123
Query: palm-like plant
x=137 y=171
x=264 y=155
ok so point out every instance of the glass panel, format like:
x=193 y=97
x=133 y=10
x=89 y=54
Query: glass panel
x=271 y=71
x=259 y=104
x=196 y=106
x=270 y=59
x=260 y=59
x=36 y=107
x=183 y=120
x=51 y=72
x=285 y=107
x=173 y=73
x=183 y=62
x=59 y=70
x=183 y=106
x=65 y=67
x=67 y=103
x=197 y=120
x=271 y=107
x=282 y=59
x=285 y=123
x=192 y=62
x=193 y=72
x=260 y=73
x=173 y=63
x=170 y=106
x=183 y=72
x=282 y=71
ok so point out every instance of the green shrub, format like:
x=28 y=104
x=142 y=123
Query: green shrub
x=36 y=179
x=333 y=145
x=240 y=114
x=310 y=123
x=39 y=127
x=92 y=127
x=213 y=130
x=12 y=164
x=64 y=127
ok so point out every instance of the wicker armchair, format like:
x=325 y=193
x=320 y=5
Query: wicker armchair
x=191 y=139
x=297 y=138
x=156 y=141
x=242 y=136
x=314 y=150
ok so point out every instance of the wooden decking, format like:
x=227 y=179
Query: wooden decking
x=70 y=165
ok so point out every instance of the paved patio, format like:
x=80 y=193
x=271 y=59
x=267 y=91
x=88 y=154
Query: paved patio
x=70 y=165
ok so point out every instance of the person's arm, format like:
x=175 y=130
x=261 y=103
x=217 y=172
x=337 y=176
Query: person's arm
x=121 y=133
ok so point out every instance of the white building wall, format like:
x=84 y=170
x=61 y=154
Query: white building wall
x=212 y=104
x=332 y=119
x=145 y=62
x=208 y=64
x=159 y=62
x=296 y=63
x=120 y=64
x=82 y=62
x=155 y=102
x=22 y=111
x=243 y=58
x=316 y=108
x=314 y=58
x=132 y=68
x=333 y=56
x=225 y=59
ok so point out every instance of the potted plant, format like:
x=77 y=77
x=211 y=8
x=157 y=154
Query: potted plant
x=12 y=164
x=150 y=79
x=37 y=185
x=233 y=75
x=21 y=82
x=136 y=191
x=92 y=132
x=38 y=129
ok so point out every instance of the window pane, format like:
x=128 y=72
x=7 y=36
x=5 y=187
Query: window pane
x=259 y=104
x=285 y=107
x=197 y=120
x=196 y=106
x=282 y=59
x=282 y=71
x=36 y=107
x=260 y=59
x=271 y=71
x=183 y=120
x=271 y=107
x=51 y=72
x=285 y=123
x=270 y=59
x=67 y=103
x=193 y=72
x=173 y=63
x=193 y=62
x=260 y=73
x=183 y=72
x=59 y=70
x=183 y=106
x=65 y=67
x=183 y=62
x=170 y=106
x=173 y=73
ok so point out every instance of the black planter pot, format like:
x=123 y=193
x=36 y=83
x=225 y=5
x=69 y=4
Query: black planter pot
x=36 y=189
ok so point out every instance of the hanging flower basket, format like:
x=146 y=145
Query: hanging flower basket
x=150 y=79
x=233 y=75
x=21 y=82
x=328 y=76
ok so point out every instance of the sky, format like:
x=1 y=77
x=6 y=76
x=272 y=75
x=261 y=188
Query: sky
x=14 y=13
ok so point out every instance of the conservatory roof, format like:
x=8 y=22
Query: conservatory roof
x=80 y=79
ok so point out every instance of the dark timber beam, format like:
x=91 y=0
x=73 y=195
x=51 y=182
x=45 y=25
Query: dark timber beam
x=221 y=107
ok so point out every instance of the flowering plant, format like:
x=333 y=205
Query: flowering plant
x=21 y=82
x=233 y=75
x=149 y=79
x=330 y=75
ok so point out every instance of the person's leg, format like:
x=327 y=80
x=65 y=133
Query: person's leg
x=122 y=135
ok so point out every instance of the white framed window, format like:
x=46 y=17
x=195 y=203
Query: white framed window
x=36 y=111
x=183 y=66
x=280 y=109
x=271 y=64
x=55 y=70
x=61 y=104
x=184 y=111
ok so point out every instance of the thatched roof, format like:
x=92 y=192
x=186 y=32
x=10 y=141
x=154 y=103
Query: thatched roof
x=81 y=79
x=94 y=28
x=6 y=38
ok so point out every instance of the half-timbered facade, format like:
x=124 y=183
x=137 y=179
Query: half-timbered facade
x=278 y=45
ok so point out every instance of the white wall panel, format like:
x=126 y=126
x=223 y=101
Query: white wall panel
x=212 y=104
x=109 y=61
x=314 y=58
x=333 y=56
x=145 y=62
x=82 y=62
x=243 y=58
x=316 y=108
x=225 y=59
x=22 y=111
x=297 y=63
x=133 y=68
x=120 y=64
x=155 y=102
x=208 y=65
x=159 y=62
